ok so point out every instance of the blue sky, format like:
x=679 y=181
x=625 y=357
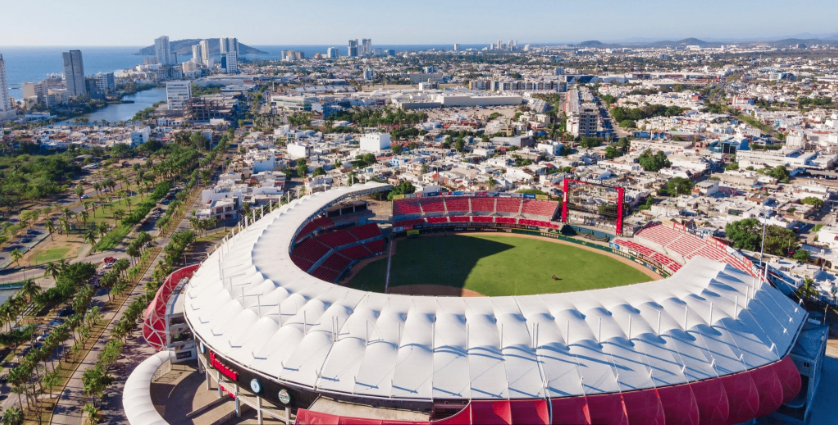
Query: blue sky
x=290 y=22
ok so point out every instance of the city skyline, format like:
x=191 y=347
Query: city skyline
x=559 y=22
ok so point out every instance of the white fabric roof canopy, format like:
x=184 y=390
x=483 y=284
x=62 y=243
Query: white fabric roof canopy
x=252 y=305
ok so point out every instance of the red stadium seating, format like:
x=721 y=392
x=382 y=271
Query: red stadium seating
x=506 y=220
x=311 y=249
x=482 y=219
x=430 y=205
x=356 y=252
x=408 y=224
x=535 y=207
x=302 y=263
x=457 y=204
x=336 y=239
x=336 y=262
x=460 y=219
x=483 y=205
x=438 y=219
x=326 y=274
x=367 y=231
x=317 y=223
x=375 y=246
x=509 y=205
x=406 y=207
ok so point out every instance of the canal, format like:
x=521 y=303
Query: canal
x=125 y=111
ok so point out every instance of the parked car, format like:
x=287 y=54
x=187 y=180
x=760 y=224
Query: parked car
x=32 y=232
x=110 y=260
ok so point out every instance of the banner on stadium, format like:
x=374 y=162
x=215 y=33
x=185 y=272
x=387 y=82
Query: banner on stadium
x=427 y=194
x=468 y=193
x=717 y=243
x=487 y=194
x=542 y=197
x=412 y=232
x=457 y=193
x=613 y=245
x=395 y=197
x=409 y=196
x=528 y=195
x=507 y=194
x=398 y=229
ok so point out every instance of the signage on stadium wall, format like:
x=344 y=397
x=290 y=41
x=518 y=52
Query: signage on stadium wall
x=226 y=371
x=489 y=229
x=529 y=195
x=457 y=193
x=469 y=193
x=505 y=194
x=613 y=245
x=487 y=194
x=717 y=243
x=459 y=229
x=398 y=229
x=427 y=194
x=396 y=197
x=542 y=197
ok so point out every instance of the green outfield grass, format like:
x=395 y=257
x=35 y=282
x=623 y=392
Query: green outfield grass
x=497 y=265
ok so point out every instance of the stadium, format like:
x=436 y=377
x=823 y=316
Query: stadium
x=279 y=327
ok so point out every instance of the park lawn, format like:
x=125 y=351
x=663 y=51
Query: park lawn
x=53 y=254
x=497 y=265
x=110 y=207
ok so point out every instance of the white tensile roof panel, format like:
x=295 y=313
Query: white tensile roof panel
x=253 y=306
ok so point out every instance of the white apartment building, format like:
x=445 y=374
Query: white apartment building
x=205 y=52
x=196 y=54
x=375 y=142
x=162 y=50
x=140 y=135
x=6 y=110
x=232 y=62
x=177 y=94
x=298 y=150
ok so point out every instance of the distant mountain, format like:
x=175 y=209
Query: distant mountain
x=829 y=39
x=591 y=43
x=184 y=47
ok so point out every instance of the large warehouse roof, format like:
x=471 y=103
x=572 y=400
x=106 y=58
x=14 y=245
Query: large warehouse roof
x=251 y=304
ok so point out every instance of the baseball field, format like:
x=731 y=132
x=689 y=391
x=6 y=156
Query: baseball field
x=495 y=265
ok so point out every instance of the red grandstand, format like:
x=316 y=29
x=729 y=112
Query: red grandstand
x=511 y=210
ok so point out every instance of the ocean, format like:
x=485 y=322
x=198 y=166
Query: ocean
x=32 y=64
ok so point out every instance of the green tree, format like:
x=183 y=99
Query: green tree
x=319 y=171
x=745 y=234
x=801 y=255
x=16 y=255
x=13 y=416
x=679 y=186
x=653 y=162
x=733 y=166
x=403 y=188
x=396 y=148
x=590 y=142
x=811 y=200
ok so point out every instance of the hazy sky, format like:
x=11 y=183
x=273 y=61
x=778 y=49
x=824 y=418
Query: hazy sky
x=290 y=22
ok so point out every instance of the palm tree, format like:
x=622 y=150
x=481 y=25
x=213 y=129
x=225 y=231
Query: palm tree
x=29 y=290
x=807 y=290
x=13 y=415
x=128 y=202
x=118 y=215
x=94 y=415
x=16 y=256
x=90 y=236
x=52 y=268
x=50 y=226
x=84 y=216
x=102 y=229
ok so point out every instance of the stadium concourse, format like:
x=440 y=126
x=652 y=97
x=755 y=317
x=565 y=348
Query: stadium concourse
x=709 y=345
